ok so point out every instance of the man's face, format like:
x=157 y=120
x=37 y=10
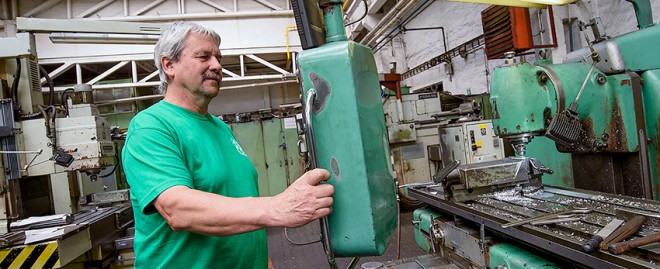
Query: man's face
x=198 y=69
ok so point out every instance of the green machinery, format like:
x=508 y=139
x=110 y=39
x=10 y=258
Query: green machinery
x=346 y=133
x=600 y=105
x=595 y=120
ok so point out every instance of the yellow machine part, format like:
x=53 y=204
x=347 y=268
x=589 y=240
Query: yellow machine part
x=32 y=256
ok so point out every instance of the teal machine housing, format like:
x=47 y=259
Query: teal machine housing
x=349 y=139
x=619 y=146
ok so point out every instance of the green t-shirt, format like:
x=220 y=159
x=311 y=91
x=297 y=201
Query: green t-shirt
x=171 y=146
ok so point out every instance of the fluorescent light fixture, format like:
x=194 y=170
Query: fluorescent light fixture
x=102 y=38
x=512 y=3
x=552 y=2
x=521 y=3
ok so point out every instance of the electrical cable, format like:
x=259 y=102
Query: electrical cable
x=405 y=21
x=17 y=79
x=63 y=99
x=111 y=172
x=298 y=243
x=50 y=85
x=366 y=10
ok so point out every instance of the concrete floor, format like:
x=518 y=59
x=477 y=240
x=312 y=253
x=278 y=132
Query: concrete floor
x=286 y=255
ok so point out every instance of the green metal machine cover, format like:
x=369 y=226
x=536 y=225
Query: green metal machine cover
x=351 y=142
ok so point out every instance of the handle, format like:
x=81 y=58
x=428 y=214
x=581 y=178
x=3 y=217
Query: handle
x=592 y=244
x=622 y=247
x=624 y=231
x=311 y=148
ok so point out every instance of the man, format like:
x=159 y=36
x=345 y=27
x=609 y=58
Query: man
x=193 y=189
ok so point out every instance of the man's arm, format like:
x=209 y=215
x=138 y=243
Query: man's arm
x=186 y=209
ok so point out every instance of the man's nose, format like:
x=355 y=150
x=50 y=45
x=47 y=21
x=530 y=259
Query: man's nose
x=215 y=65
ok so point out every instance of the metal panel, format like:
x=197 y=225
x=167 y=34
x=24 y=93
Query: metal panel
x=513 y=257
x=274 y=156
x=11 y=161
x=249 y=136
x=351 y=142
x=296 y=163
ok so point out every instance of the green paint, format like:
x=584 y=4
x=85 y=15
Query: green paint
x=651 y=90
x=351 y=129
x=275 y=158
x=513 y=257
x=524 y=99
x=422 y=220
x=545 y=150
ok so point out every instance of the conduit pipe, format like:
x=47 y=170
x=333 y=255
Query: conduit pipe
x=392 y=17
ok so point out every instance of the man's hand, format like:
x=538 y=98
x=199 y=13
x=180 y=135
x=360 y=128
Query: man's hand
x=305 y=200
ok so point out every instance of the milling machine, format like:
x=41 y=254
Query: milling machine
x=51 y=193
x=600 y=106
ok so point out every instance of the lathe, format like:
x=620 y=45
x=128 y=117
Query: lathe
x=600 y=109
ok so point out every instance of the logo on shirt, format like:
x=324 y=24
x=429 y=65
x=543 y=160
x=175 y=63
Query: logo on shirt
x=238 y=147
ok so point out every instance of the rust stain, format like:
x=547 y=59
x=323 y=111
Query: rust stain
x=618 y=140
x=518 y=127
x=407 y=167
x=625 y=82
x=588 y=125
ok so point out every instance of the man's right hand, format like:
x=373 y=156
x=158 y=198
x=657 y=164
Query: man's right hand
x=305 y=200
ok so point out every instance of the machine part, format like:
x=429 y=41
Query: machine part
x=627 y=213
x=561 y=219
x=11 y=239
x=53 y=254
x=351 y=128
x=32 y=223
x=561 y=214
x=513 y=257
x=425 y=237
x=593 y=243
x=622 y=247
x=313 y=162
x=463 y=241
x=499 y=172
x=470 y=111
x=107 y=197
x=124 y=243
x=470 y=142
x=611 y=59
x=565 y=242
x=636 y=82
x=309 y=22
x=445 y=171
x=565 y=127
x=86 y=139
x=626 y=230
x=11 y=161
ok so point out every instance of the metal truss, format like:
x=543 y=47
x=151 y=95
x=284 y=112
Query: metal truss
x=130 y=71
x=136 y=10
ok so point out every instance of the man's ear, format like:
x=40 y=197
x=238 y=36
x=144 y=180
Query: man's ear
x=167 y=64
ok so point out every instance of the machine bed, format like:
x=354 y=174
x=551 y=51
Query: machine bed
x=561 y=239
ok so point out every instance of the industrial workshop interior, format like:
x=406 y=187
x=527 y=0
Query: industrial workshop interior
x=500 y=134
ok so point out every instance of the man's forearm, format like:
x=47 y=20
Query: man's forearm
x=187 y=209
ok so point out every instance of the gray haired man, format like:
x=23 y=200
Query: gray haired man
x=193 y=189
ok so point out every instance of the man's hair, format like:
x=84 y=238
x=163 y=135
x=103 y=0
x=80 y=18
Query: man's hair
x=172 y=42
